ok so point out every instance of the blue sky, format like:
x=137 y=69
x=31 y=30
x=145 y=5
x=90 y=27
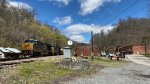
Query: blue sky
x=76 y=18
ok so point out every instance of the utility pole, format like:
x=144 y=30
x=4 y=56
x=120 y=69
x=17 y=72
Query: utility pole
x=145 y=47
x=92 y=45
x=99 y=41
x=144 y=40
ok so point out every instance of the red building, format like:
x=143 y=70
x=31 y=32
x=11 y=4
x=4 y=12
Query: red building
x=135 y=49
x=85 y=50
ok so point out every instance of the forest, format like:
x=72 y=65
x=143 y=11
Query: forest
x=20 y=24
x=132 y=31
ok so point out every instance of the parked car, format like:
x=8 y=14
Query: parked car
x=103 y=53
x=111 y=54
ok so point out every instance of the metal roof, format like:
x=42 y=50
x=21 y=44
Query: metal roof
x=4 y=50
x=13 y=50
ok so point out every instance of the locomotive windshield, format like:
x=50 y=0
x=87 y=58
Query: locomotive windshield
x=31 y=41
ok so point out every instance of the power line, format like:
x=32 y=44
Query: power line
x=122 y=11
x=137 y=11
x=125 y=10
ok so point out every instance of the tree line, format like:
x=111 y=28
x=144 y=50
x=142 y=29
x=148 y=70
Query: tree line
x=19 y=24
x=132 y=31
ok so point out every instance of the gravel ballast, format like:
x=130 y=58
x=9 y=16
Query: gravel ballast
x=129 y=74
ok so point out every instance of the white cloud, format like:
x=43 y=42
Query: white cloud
x=89 y=6
x=63 y=21
x=20 y=5
x=84 y=28
x=116 y=0
x=59 y=2
x=78 y=38
x=76 y=32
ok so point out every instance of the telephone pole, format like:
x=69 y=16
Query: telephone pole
x=92 y=45
x=144 y=40
x=145 y=47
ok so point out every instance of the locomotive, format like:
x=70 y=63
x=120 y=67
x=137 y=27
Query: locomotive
x=33 y=47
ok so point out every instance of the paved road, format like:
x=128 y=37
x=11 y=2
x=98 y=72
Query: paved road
x=129 y=74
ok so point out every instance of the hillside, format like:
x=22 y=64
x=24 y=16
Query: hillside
x=127 y=32
x=19 y=24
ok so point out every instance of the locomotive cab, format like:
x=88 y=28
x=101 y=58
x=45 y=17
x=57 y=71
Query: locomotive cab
x=27 y=47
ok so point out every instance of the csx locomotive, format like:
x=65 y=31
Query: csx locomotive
x=33 y=47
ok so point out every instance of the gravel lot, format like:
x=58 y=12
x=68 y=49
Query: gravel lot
x=128 y=74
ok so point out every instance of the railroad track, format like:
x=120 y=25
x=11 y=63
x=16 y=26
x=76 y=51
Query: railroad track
x=11 y=62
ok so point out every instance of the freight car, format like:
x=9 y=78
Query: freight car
x=56 y=50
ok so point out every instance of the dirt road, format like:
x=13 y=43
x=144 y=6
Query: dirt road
x=131 y=73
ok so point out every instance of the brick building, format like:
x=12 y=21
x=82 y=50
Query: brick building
x=85 y=50
x=135 y=49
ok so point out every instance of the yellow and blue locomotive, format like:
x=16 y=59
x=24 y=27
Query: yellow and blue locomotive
x=36 y=48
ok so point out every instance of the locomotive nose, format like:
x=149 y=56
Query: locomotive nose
x=27 y=46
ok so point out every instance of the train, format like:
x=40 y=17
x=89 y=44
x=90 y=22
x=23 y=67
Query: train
x=35 y=48
x=31 y=48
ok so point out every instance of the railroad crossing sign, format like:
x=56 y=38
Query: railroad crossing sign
x=70 y=42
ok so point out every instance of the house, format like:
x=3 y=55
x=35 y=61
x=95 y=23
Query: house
x=85 y=50
x=135 y=49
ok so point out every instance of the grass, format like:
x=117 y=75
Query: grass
x=107 y=62
x=41 y=72
x=46 y=72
